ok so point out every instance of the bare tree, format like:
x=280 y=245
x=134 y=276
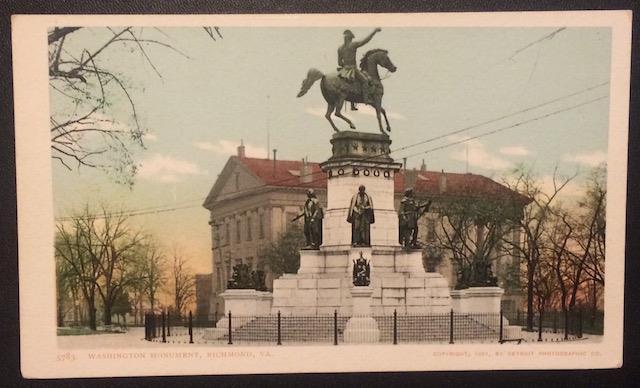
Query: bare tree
x=560 y=234
x=85 y=127
x=74 y=239
x=472 y=230
x=533 y=223
x=590 y=242
x=115 y=252
x=545 y=286
x=184 y=282
x=153 y=272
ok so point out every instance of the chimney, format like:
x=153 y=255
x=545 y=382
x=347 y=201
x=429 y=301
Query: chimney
x=423 y=166
x=241 y=150
x=305 y=172
x=442 y=182
x=274 y=161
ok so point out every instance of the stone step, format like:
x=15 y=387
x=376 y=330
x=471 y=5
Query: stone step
x=409 y=328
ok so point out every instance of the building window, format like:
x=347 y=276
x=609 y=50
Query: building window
x=261 y=225
x=238 y=234
x=249 y=237
x=237 y=181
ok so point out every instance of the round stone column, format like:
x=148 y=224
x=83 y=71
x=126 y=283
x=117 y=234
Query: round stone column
x=360 y=159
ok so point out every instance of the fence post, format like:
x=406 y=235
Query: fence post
x=395 y=327
x=190 y=327
x=335 y=327
x=451 y=327
x=279 y=333
x=230 y=339
x=540 y=326
x=168 y=324
x=501 y=328
x=164 y=323
x=555 y=321
x=566 y=324
x=580 y=323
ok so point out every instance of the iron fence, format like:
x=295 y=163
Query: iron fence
x=569 y=324
x=280 y=329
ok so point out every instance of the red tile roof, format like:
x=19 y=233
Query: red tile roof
x=287 y=174
x=282 y=176
x=428 y=183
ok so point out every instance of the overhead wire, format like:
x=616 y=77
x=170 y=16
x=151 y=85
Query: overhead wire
x=160 y=208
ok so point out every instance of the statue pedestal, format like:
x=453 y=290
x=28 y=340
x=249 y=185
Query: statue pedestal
x=476 y=300
x=361 y=327
x=244 y=306
x=360 y=158
x=324 y=282
x=243 y=303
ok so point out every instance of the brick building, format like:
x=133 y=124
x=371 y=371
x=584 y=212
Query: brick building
x=253 y=200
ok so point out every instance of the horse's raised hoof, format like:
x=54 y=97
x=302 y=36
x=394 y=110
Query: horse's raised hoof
x=388 y=129
x=352 y=126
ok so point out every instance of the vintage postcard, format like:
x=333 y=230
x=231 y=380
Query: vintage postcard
x=320 y=193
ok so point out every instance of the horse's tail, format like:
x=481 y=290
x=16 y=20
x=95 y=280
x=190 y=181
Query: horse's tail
x=312 y=76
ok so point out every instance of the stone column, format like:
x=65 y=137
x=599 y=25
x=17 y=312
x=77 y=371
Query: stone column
x=360 y=159
x=361 y=327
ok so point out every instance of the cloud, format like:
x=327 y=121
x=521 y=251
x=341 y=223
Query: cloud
x=149 y=137
x=362 y=110
x=478 y=155
x=228 y=147
x=515 y=150
x=589 y=158
x=167 y=169
x=571 y=190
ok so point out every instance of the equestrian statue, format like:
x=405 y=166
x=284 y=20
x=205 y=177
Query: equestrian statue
x=350 y=83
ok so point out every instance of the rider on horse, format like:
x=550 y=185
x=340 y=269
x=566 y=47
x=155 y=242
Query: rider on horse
x=348 y=69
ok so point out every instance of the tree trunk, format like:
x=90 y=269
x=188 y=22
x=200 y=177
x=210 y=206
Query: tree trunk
x=594 y=305
x=60 y=313
x=92 y=314
x=107 y=314
x=530 y=275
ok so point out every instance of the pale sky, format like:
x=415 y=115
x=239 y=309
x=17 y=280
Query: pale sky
x=244 y=85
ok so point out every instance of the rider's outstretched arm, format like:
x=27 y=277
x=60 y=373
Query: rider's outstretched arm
x=367 y=38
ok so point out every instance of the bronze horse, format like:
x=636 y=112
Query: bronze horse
x=337 y=90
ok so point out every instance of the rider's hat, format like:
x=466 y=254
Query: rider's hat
x=348 y=33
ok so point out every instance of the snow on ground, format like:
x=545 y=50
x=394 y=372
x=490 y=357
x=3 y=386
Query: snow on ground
x=134 y=338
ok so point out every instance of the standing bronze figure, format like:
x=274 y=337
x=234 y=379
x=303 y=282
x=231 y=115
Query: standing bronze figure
x=313 y=215
x=352 y=84
x=408 y=216
x=361 y=217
